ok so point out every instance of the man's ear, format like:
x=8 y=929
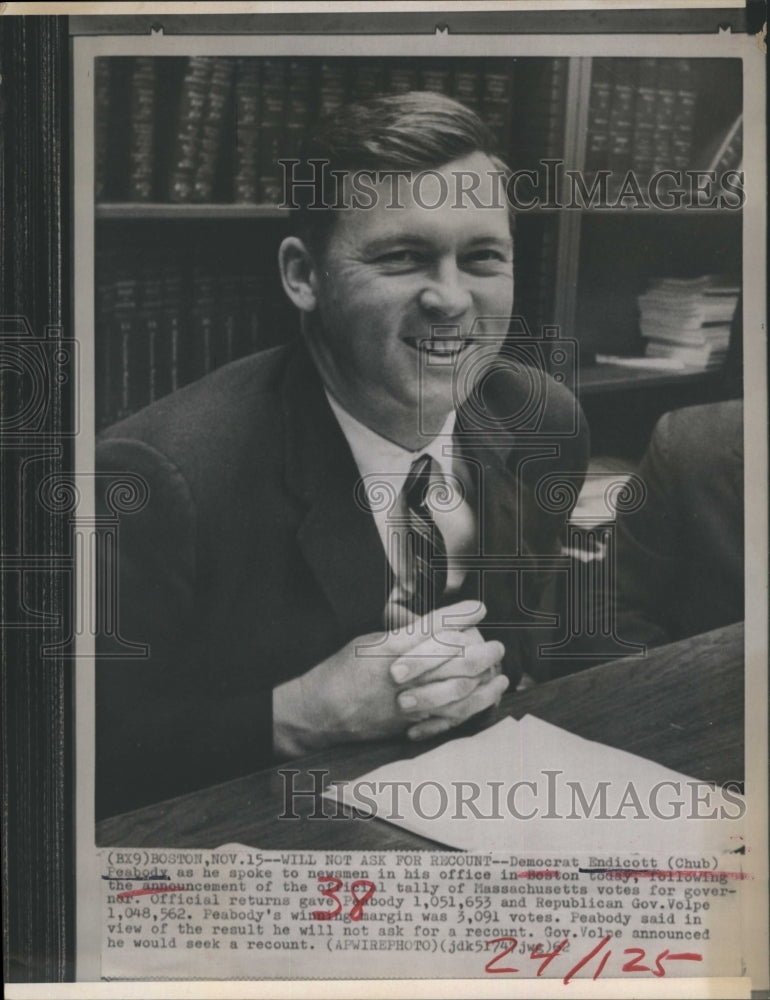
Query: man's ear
x=298 y=273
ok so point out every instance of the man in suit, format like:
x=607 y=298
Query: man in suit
x=285 y=607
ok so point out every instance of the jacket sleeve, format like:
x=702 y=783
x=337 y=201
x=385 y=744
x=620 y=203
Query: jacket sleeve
x=650 y=545
x=166 y=721
x=552 y=485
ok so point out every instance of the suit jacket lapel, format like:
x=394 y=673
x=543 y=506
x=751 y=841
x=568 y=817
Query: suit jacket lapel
x=337 y=536
x=498 y=510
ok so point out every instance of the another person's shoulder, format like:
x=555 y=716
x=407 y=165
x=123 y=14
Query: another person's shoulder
x=693 y=435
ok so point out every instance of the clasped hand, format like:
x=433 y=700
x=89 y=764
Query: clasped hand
x=418 y=680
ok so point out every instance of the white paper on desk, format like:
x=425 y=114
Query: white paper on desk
x=557 y=764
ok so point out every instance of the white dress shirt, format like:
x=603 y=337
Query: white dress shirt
x=382 y=462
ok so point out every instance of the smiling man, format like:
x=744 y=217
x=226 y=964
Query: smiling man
x=328 y=552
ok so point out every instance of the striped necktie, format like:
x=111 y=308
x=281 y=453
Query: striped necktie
x=423 y=579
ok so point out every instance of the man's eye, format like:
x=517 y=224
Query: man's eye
x=486 y=256
x=399 y=258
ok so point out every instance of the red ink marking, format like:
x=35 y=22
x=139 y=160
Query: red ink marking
x=548 y=956
x=497 y=958
x=330 y=893
x=702 y=873
x=137 y=878
x=539 y=873
x=586 y=959
x=633 y=964
x=602 y=964
x=357 y=909
x=128 y=893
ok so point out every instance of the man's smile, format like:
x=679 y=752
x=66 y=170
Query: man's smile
x=444 y=347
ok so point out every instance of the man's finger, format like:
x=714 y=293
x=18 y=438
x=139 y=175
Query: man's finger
x=453 y=680
x=433 y=651
x=458 y=616
x=459 y=667
x=472 y=661
x=480 y=699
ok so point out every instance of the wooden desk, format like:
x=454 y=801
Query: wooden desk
x=681 y=705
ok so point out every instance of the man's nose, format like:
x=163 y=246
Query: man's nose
x=446 y=294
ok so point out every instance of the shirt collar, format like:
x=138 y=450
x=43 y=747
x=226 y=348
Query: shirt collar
x=375 y=454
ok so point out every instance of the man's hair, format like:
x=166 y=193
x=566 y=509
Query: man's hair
x=419 y=130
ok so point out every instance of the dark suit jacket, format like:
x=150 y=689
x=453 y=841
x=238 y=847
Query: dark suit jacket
x=680 y=556
x=251 y=561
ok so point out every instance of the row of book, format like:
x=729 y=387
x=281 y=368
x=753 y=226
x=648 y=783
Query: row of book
x=642 y=115
x=172 y=323
x=535 y=269
x=689 y=319
x=204 y=128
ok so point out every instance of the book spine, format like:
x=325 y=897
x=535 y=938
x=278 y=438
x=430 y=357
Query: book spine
x=229 y=318
x=141 y=154
x=101 y=126
x=148 y=338
x=435 y=78
x=187 y=139
x=557 y=94
x=644 y=117
x=118 y=133
x=212 y=128
x=368 y=79
x=299 y=105
x=202 y=355
x=496 y=104
x=332 y=86
x=402 y=77
x=665 y=105
x=684 y=113
x=124 y=375
x=249 y=298
x=621 y=120
x=272 y=134
x=600 y=99
x=245 y=181
x=171 y=375
x=466 y=85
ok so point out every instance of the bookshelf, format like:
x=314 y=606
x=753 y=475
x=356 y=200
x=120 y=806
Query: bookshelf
x=188 y=222
x=122 y=210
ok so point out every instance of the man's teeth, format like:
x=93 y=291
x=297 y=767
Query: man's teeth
x=444 y=346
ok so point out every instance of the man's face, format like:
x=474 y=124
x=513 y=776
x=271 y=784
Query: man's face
x=392 y=278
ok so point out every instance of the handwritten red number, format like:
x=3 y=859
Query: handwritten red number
x=586 y=959
x=548 y=956
x=496 y=958
x=602 y=964
x=687 y=956
x=356 y=911
x=330 y=893
x=633 y=964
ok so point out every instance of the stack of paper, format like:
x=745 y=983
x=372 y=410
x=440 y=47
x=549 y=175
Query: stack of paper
x=688 y=319
x=531 y=786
